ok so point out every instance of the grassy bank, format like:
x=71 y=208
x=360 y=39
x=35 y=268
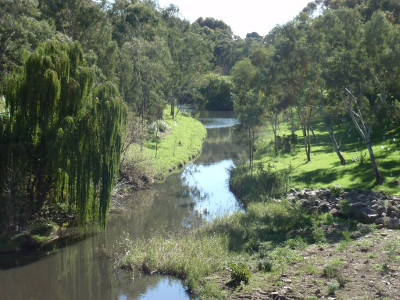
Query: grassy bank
x=170 y=150
x=192 y=256
x=324 y=169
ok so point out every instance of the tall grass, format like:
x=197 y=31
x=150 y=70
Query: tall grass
x=190 y=256
x=258 y=185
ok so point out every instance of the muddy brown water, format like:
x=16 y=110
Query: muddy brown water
x=83 y=270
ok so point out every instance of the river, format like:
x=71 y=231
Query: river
x=85 y=270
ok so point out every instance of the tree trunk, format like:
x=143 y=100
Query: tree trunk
x=315 y=137
x=307 y=145
x=378 y=175
x=172 y=108
x=335 y=145
x=292 y=120
x=365 y=134
x=274 y=124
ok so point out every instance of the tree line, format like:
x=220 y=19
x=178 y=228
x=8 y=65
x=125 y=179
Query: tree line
x=337 y=61
x=79 y=79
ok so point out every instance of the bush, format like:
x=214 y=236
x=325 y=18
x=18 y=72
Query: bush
x=248 y=187
x=265 y=264
x=239 y=273
x=336 y=189
x=331 y=269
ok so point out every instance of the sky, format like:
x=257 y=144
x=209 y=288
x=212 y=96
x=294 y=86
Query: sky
x=243 y=16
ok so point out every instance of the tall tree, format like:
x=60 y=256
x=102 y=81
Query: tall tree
x=21 y=31
x=357 y=60
x=64 y=134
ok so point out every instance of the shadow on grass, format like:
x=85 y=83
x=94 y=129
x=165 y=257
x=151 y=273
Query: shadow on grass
x=250 y=232
x=324 y=176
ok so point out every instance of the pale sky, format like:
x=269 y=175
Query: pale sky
x=243 y=16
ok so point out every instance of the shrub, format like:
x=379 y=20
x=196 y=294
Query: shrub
x=239 y=273
x=265 y=264
x=248 y=187
x=336 y=189
x=331 y=268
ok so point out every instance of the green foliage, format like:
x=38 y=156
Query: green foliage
x=336 y=189
x=64 y=134
x=41 y=228
x=217 y=92
x=262 y=226
x=259 y=185
x=239 y=273
x=265 y=264
x=331 y=269
x=282 y=256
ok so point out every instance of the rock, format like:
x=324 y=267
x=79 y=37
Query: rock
x=364 y=206
x=379 y=208
x=392 y=211
x=287 y=289
x=371 y=218
x=304 y=203
x=392 y=223
x=324 y=207
x=358 y=205
x=334 y=212
x=359 y=215
x=310 y=195
x=274 y=295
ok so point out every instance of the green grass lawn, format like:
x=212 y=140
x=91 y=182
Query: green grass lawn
x=181 y=143
x=325 y=168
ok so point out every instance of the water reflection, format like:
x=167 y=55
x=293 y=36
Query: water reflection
x=210 y=181
x=84 y=270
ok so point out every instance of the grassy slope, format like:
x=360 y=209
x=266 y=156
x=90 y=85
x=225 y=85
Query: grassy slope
x=325 y=168
x=181 y=143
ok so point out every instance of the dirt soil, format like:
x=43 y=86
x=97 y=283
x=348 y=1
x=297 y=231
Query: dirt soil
x=367 y=266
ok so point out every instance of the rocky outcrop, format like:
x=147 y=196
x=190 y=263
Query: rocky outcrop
x=364 y=206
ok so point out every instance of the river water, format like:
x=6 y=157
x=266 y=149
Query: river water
x=84 y=270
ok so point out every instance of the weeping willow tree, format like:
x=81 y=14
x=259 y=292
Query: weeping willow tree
x=64 y=135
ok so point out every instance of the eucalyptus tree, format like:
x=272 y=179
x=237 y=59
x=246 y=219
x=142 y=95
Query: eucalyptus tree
x=143 y=75
x=221 y=36
x=248 y=102
x=296 y=62
x=190 y=52
x=21 y=31
x=63 y=134
x=82 y=20
x=360 y=67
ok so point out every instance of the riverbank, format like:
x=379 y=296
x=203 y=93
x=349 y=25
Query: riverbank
x=180 y=143
x=164 y=153
x=282 y=248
